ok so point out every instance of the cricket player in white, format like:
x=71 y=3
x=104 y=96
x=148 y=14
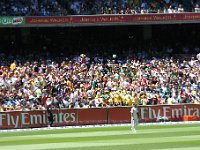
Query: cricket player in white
x=134 y=118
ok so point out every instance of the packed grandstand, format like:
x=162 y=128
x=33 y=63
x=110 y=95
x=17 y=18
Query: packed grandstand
x=80 y=82
x=92 y=7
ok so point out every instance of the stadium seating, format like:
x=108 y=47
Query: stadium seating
x=91 y=7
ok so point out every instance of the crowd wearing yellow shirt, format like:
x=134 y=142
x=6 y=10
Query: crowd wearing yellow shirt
x=73 y=84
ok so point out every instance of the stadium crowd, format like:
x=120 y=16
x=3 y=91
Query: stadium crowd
x=95 y=82
x=89 y=7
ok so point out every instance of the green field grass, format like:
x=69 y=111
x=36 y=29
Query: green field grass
x=163 y=137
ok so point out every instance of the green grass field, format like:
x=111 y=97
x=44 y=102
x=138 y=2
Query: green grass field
x=163 y=137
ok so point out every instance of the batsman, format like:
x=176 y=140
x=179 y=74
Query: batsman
x=134 y=118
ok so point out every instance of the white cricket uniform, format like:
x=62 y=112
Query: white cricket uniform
x=134 y=118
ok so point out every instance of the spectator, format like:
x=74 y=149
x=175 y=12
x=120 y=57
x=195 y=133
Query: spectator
x=170 y=9
x=180 y=8
x=197 y=9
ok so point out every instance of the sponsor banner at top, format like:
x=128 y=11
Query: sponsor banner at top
x=115 y=19
x=10 y=20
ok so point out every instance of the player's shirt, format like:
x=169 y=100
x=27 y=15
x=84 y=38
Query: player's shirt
x=134 y=112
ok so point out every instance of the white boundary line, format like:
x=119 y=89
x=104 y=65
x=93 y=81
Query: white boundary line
x=102 y=125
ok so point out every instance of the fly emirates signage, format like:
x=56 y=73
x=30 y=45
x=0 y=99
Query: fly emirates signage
x=63 y=117
x=35 y=119
x=171 y=112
